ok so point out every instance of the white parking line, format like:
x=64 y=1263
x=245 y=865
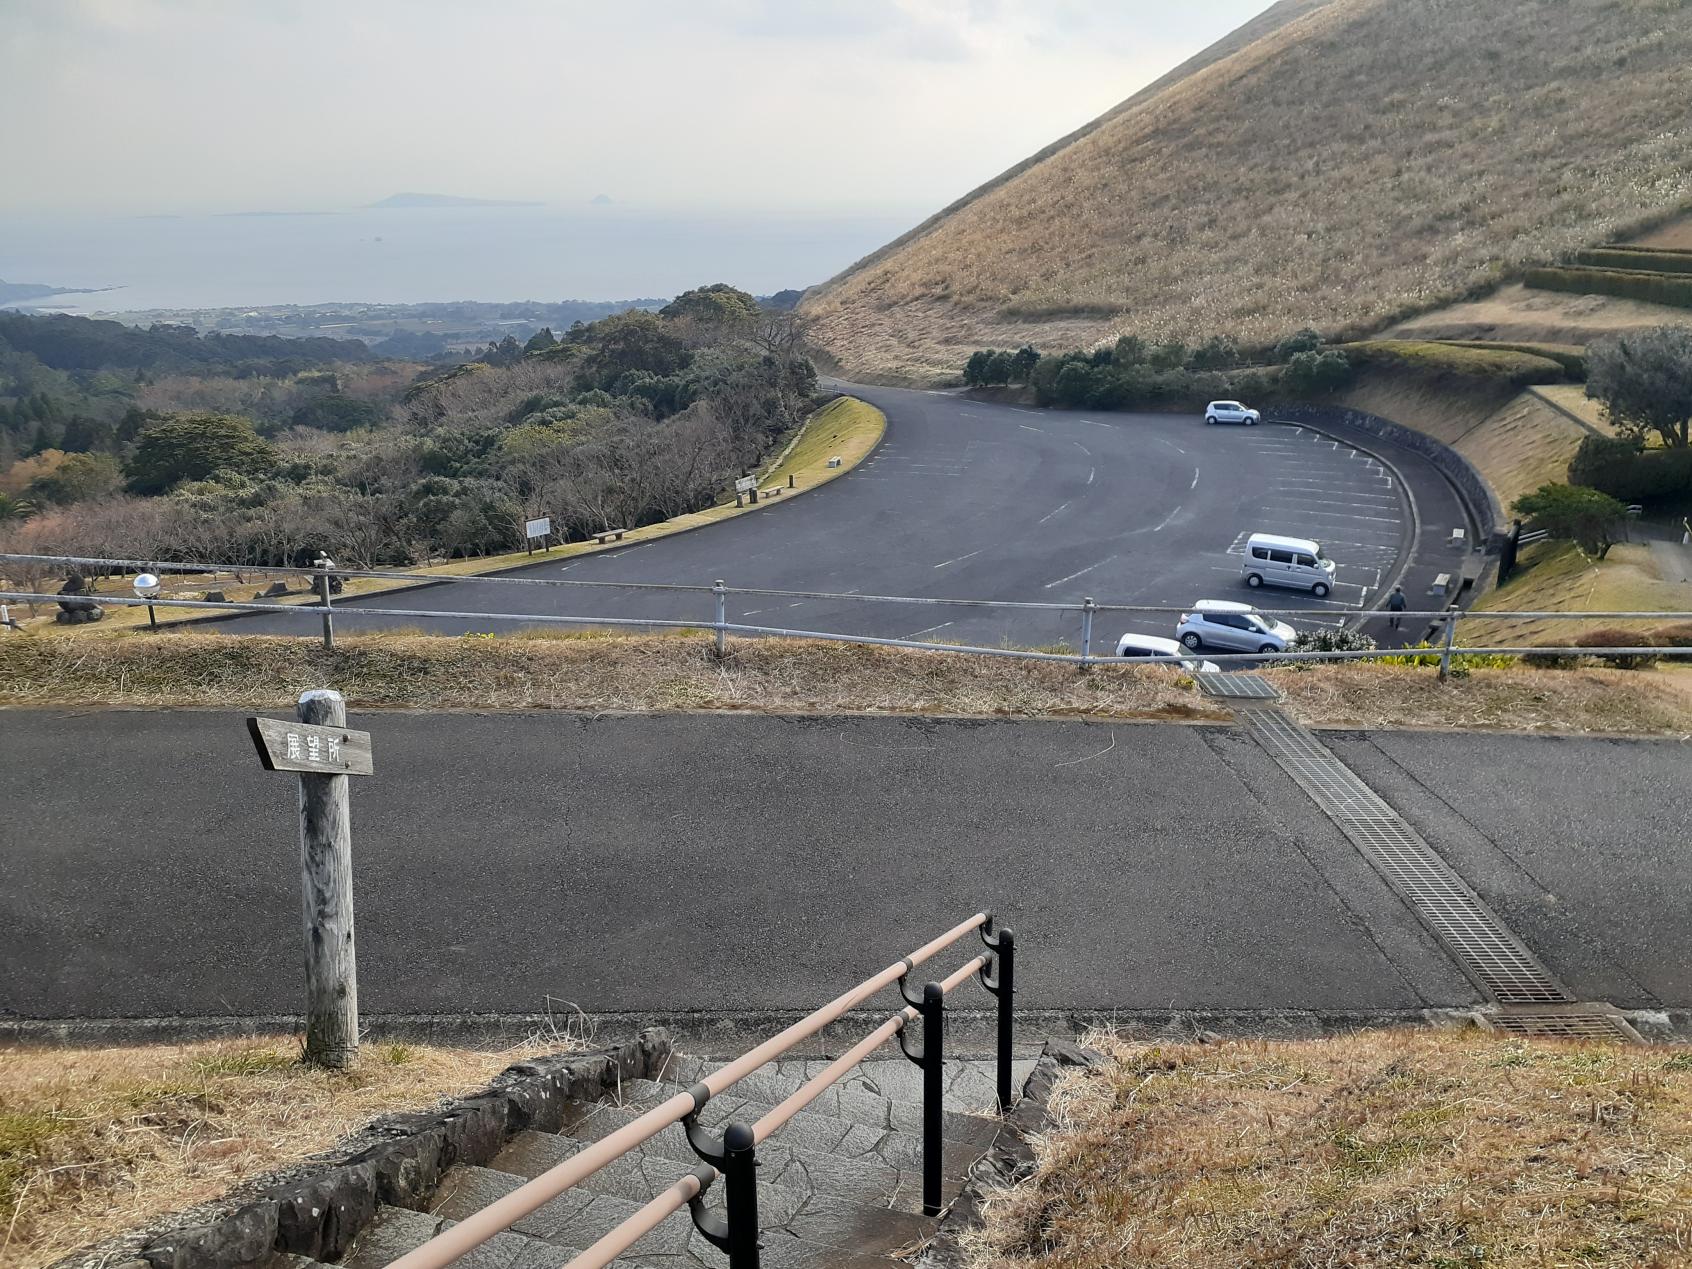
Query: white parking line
x=960 y=559
x=1053 y=514
x=1091 y=472
x=1060 y=581
x=931 y=629
x=1026 y=428
x=1078 y=445
x=1168 y=519
x=1194 y=485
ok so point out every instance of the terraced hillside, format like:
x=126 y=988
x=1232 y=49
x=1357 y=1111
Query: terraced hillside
x=1341 y=164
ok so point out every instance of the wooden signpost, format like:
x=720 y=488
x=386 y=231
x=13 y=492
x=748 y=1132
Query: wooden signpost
x=321 y=749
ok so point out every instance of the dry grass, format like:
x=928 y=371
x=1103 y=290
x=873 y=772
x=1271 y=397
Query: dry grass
x=1430 y=147
x=1383 y=1148
x=1618 y=702
x=1516 y=313
x=655 y=673
x=94 y=1142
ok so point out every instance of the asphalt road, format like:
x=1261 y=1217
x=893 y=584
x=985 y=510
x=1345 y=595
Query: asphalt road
x=677 y=862
x=968 y=500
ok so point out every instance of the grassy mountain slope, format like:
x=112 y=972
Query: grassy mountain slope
x=1337 y=164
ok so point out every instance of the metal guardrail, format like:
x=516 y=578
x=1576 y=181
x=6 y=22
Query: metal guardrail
x=732 y=1154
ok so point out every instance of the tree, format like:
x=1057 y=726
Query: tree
x=1306 y=340
x=975 y=369
x=541 y=340
x=1584 y=515
x=1130 y=351
x=713 y=307
x=195 y=446
x=999 y=368
x=1314 y=373
x=78 y=478
x=1644 y=380
x=1023 y=362
x=1170 y=356
x=1216 y=353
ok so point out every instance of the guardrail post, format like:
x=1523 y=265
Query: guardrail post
x=324 y=564
x=1450 y=641
x=1087 y=609
x=1002 y=985
x=721 y=592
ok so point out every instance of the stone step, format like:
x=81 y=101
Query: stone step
x=817 y=1233
x=793 y=1203
x=857 y=1106
x=819 y=1147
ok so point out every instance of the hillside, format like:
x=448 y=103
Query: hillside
x=1339 y=164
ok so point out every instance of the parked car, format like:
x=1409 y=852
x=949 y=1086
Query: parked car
x=1231 y=412
x=1221 y=623
x=1295 y=562
x=1154 y=648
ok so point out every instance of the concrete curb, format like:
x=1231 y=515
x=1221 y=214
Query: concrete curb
x=1011 y=1158
x=316 y=1209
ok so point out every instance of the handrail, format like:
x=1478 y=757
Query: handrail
x=813 y=1088
x=500 y=1215
x=672 y=1200
x=643 y=1222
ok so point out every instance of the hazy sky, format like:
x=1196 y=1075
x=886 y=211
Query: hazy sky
x=153 y=106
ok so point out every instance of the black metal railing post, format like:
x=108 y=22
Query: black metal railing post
x=1002 y=984
x=740 y=1199
x=735 y=1155
x=930 y=1058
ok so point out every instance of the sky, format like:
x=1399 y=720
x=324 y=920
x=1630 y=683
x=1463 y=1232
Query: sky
x=866 y=107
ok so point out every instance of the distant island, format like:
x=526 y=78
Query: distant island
x=446 y=200
x=17 y=292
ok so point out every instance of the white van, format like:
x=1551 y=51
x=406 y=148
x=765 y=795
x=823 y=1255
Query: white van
x=1295 y=562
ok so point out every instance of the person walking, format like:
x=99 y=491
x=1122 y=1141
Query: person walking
x=1396 y=604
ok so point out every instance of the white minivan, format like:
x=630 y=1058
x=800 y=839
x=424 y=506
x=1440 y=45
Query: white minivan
x=1295 y=562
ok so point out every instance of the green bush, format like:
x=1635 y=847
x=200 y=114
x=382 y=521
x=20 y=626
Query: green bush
x=1627 y=471
x=1627 y=284
x=1587 y=516
x=1490 y=361
x=1571 y=358
x=1610 y=637
x=1316 y=373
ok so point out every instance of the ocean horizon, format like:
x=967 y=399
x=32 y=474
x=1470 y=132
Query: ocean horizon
x=414 y=255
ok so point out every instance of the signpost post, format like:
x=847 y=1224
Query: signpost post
x=540 y=527
x=743 y=486
x=321 y=749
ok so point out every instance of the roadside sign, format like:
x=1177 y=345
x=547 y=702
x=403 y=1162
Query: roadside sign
x=309 y=748
x=539 y=528
x=746 y=484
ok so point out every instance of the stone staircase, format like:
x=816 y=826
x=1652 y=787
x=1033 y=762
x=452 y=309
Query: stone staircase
x=839 y=1185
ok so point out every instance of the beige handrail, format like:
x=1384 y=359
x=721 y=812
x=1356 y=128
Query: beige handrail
x=446 y=1247
x=672 y=1200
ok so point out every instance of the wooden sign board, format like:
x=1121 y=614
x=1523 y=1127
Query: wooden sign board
x=309 y=748
x=538 y=528
x=746 y=484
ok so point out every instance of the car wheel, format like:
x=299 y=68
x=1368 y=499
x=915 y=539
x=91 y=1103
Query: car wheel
x=1208 y=419
x=1253 y=580
x=1251 y=422
x=1268 y=649
x=1192 y=640
x=1320 y=590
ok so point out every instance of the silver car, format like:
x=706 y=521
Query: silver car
x=1221 y=623
x=1231 y=412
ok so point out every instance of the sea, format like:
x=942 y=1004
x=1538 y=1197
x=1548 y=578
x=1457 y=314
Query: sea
x=410 y=255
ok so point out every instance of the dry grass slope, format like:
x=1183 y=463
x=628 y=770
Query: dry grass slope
x=1364 y=161
x=1385 y=1148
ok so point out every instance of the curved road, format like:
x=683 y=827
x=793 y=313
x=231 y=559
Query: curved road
x=965 y=499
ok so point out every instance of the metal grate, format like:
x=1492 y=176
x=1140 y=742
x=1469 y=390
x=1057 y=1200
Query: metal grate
x=1237 y=686
x=1486 y=949
x=1580 y=1022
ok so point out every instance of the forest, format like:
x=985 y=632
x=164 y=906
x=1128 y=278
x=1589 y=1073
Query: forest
x=261 y=450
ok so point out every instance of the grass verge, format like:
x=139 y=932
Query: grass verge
x=1381 y=1148
x=95 y=1142
x=1559 y=577
x=593 y=671
x=846 y=428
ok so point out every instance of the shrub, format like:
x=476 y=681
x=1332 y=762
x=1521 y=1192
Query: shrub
x=1517 y=369
x=1216 y=353
x=1342 y=640
x=1585 y=515
x=1610 y=637
x=1303 y=341
x=1550 y=660
x=1316 y=373
x=1637 y=259
x=1627 y=471
x=1677 y=636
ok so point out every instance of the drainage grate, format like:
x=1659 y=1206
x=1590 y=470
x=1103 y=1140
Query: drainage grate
x=1486 y=949
x=1579 y=1022
x=1237 y=686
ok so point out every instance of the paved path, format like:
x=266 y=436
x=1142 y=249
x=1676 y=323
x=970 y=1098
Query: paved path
x=680 y=862
x=971 y=500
